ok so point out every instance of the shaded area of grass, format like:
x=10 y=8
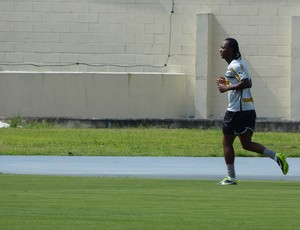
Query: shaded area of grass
x=42 y=202
x=133 y=142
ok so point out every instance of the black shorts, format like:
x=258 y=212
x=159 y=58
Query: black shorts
x=236 y=123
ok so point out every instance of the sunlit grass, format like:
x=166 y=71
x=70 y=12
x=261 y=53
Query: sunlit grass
x=44 y=202
x=133 y=142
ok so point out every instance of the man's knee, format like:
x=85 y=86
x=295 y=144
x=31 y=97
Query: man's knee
x=228 y=141
x=247 y=145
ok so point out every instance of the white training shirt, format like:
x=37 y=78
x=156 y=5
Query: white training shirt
x=238 y=100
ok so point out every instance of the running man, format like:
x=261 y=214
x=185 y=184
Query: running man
x=239 y=119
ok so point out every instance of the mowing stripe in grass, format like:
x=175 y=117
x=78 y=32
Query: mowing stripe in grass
x=133 y=142
x=44 y=202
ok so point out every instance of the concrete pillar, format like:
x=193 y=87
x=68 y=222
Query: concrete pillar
x=295 y=69
x=203 y=65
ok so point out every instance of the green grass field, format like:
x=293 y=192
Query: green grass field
x=46 y=202
x=42 y=202
x=133 y=142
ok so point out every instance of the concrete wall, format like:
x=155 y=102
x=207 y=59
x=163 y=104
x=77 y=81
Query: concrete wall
x=95 y=95
x=144 y=36
x=203 y=78
x=295 y=69
x=117 y=36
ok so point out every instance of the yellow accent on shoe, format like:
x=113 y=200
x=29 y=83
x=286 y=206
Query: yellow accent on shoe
x=281 y=161
x=227 y=181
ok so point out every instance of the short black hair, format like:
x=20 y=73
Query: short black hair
x=235 y=46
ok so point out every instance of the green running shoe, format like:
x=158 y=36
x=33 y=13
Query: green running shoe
x=227 y=181
x=281 y=161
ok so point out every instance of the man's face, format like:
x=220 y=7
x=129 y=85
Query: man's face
x=225 y=50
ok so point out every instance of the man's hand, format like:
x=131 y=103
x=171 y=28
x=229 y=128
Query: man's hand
x=223 y=87
x=221 y=83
